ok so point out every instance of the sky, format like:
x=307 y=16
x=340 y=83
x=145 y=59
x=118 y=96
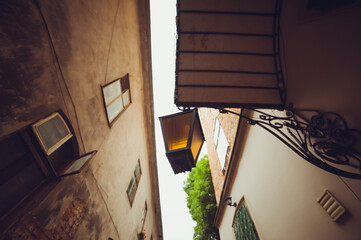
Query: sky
x=177 y=221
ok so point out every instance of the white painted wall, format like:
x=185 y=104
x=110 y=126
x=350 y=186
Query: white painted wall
x=281 y=191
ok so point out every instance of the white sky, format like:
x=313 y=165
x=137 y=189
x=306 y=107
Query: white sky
x=177 y=221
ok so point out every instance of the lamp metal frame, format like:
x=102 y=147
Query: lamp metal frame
x=182 y=159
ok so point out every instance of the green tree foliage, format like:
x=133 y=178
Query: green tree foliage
x=201 y=200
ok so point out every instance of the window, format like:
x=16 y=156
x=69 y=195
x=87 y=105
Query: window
x=51 y=132
x=54 y=135
x=77 y=164
x=31 y=156
x=221 y=143
x=20 y=174
x=134 y=182
x=243 y=225
x=116 y=96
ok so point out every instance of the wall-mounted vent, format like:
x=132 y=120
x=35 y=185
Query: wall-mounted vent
x=331 y=206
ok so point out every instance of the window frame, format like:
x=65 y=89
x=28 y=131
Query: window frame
x=28 y=144
x=250 y=215
x=52 y=149
x=136 y=183
x=65 y=172
x=40 y=157
x=124 y=89
x=216 y=139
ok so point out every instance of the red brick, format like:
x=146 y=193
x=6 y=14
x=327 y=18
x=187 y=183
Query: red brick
x=67 y=214
x=62 y=233
x=70 y=222
x=229 y=125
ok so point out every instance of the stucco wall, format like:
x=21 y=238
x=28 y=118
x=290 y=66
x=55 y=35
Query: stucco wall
x=56 y=55
x=281 y=191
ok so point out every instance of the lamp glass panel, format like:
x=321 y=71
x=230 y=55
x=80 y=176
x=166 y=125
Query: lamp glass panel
x=197 y=139
x=176 y=130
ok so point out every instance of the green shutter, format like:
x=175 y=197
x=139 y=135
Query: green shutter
x=134 y=182
x=130 y=189
x=243 y=227
x=137 y=171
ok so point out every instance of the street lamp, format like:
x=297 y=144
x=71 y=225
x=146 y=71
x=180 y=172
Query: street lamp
x=183 y=139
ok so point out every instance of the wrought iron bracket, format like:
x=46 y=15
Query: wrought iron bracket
x=322 y=139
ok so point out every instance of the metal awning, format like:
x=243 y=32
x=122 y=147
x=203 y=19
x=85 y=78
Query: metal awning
x=228 y=54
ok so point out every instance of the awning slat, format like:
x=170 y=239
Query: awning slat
x=228 y=54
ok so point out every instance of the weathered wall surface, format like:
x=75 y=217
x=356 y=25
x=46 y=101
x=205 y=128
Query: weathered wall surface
x=26 y=62
x=56 y=55
x=74 y=209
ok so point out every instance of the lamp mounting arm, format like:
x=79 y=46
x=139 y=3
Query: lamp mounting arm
x=322 y=139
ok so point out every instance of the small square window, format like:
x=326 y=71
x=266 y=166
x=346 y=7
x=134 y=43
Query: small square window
x=116 y=96
x=51 y=132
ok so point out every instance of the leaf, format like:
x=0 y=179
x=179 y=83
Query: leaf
x=201 y=200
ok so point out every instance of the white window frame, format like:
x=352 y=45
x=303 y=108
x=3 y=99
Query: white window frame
x=50 y=150
x=221 y=143
x=121 y=95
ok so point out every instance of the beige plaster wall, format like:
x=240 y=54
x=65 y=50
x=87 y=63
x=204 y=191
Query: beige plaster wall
x=281 y=190
x=95 y=42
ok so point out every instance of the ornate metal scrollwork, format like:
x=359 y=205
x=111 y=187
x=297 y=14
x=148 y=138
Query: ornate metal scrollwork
x=322 y=139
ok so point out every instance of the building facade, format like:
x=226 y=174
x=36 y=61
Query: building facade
x=281 y=195
x=77 y=130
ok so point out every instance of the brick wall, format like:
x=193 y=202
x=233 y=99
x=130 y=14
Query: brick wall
x=29 y=228
x=229 y=124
